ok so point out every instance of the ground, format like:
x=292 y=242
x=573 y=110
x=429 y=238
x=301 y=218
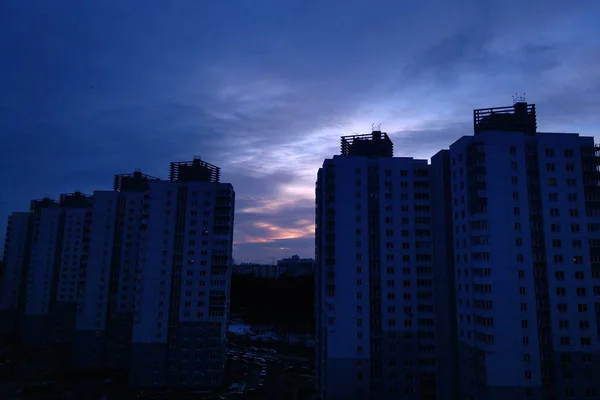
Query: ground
x=255 y=370
x=269 y=370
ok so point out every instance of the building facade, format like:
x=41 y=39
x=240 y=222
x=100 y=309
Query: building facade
x=57 y=252
x=526 y=231
x=182 y=292
x=374 y=274
x=135 y=280
x=14 y=274
x=296 y=266
x=447 y=376
x=105 y=314
x=268 y=271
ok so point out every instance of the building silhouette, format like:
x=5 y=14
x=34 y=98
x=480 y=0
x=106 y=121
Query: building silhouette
x=14 y=278
x=375 y=301
x=474 y=276
x=477 y=275
x=105 y=314
x=135 y=280
x=182 y=306
x=526 y=231
x=58 y=252
x=295 y=266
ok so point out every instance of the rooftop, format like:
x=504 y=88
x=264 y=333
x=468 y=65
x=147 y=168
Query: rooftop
x=374 y=144
x=520 y=117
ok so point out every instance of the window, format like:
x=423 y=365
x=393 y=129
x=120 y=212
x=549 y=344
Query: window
x=563 y=324
x=562 y=307
x=586 y=341
x=568 y=153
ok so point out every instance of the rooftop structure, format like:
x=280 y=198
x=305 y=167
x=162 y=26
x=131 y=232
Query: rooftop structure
x=46 y=202
x=134 y=182
x=374 y=144
x=520 y=117
x=194 y=171
x=75 y=200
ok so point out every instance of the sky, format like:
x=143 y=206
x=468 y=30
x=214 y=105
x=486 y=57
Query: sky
x=265 y=88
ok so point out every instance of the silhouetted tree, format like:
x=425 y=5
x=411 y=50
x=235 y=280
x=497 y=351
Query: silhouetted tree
x=287 y=301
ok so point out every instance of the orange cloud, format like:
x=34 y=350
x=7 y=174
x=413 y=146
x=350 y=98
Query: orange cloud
x=250 y=239
x=272 y=232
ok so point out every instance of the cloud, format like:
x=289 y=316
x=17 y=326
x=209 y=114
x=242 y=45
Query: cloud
x=264 y=89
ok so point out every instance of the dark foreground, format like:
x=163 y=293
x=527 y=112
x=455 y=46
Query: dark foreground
x=255 y=370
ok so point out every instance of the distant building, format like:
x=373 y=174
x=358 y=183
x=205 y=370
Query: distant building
x=58 y=252
x=374 y=278
x=136 y=279
x=182 y=300
x=269 y=271
x=296 y=266
x=526 y=233
x=14 y=272
x=105 y=315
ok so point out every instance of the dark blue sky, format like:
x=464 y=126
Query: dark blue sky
x=264 y=89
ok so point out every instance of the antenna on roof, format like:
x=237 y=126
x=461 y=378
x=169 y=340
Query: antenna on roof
x=197 y=157
x=375 y=127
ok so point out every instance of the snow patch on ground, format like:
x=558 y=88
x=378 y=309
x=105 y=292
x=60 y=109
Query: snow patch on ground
x=239 y=329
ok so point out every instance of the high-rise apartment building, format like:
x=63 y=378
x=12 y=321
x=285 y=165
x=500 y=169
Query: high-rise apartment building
x=136 y=279
x=57 y=253
x=182 y=292
x=374 y=274
x=14 y=274
x=526 y=233
x=105 y=314
x=447 y=377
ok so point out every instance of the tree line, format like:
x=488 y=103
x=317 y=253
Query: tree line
x=287 y=302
